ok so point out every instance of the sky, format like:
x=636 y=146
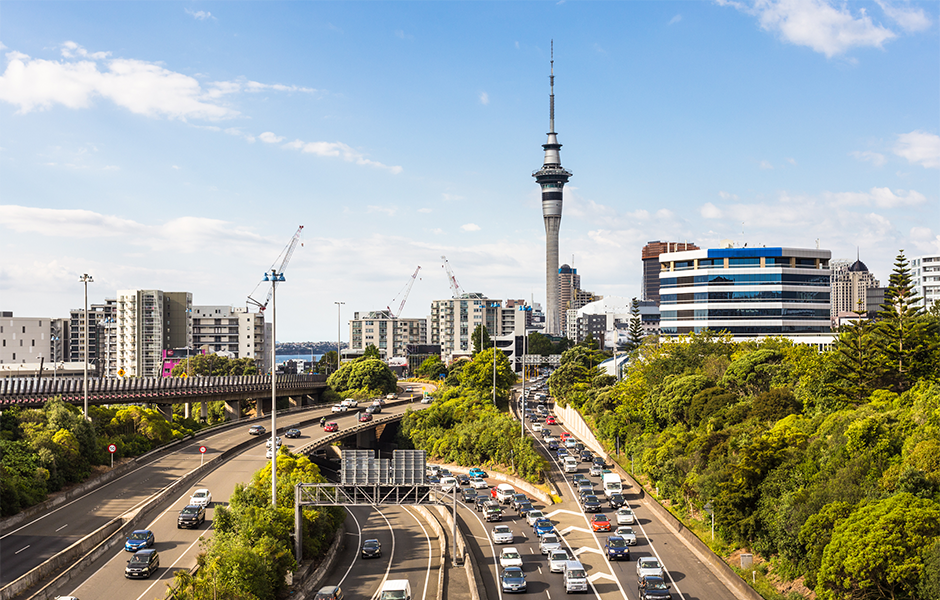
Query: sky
x=179 y=145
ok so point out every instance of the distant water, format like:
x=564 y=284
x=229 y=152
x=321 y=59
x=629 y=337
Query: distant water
x=281 y=358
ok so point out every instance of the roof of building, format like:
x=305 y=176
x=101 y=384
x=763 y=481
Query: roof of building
x=858 y=267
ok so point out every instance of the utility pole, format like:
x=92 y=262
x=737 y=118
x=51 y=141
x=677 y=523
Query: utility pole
x=339 y=328
x=274 y=277
x=86 y=279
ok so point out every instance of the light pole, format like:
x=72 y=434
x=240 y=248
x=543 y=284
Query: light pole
x=339 y=329
x=86 y=279
x=55 y=343
x=525 y=342
x=274 y=277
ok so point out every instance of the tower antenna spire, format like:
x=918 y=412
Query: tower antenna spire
x=551 y=96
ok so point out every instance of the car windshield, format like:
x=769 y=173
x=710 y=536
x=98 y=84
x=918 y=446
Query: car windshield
x=578 y=573
x=616 y=543
x=140 y=535
x=560 y=555
x=549 y=539
x=651 y=563
x=501 y=529
x=510 y=555
x=514 y=572
x=200 y=494
x=590 y=498
x=140 y=559
x=189 y=511
x=625 y=512
x=370 y=544
x=536 y=514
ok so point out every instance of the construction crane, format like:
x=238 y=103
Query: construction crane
x=286 y=253
x=455 y=288
x=407 y=291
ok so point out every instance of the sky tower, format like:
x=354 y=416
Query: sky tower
x=552 y=178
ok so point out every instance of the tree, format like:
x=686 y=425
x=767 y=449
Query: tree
x=636 y=324
x=328 y=362
x=370 y=352
x=539 y=344
x=481 y=339
x=365 y=377
x=213 y=365
x=432 y=368
x=751 y=373
x=478 y=374
x=858 y=359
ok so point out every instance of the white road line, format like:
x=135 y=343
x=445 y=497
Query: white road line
x=168 y=568
x=61 y=528
x=499 y=587
x=427 y=576
x=23 y=548
x=391 y=557
x=356 y=555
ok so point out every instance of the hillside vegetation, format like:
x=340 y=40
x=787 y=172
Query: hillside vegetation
x=825 y=463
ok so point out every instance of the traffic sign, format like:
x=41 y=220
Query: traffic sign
x=112 y=448
x=121 y=372
x=203 y=449
x=202 y=454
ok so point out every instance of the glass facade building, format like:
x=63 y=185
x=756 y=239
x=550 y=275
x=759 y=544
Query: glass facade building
x=745 y=291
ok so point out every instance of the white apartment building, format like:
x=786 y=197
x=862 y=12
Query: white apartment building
x=389 y=334
x=25 y=340
x=453 y=321
x=232 y=330
x=149 y=322
x=925 y=275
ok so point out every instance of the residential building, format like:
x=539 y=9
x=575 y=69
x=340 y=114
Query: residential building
x=453 y=321
x=745 y=291
x=569 y=282
x=25 y=340
x=149 y=322
x=602 y=319
x=232 y=330
x=389 y=334
x=850 y=284
x=650 y=257
x=100 y=333
x=925 y=275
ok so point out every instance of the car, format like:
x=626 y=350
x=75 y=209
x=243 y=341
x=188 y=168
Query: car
x=426 y=400
x=365 y=417
x=616 y=548
x=532 y=516
x=483 y=501
x=256 y=430
x=650 y=587
x=379 y=402
x=546 y=433
x=599 y=461
x=191 y=516
x=543 y=526
x=572 y=445
x=350 y=402
x=595 y=471
x=391 y=396
x=579 y=447
x=512 y=580
x=525 y=508
x=502 y=534
x=600 y=522
x=468 y=495
x=493 y=513
x=434 y=479
x=627 y=534
x=478 y=472
x=579 y=477
x=625 y=516
x=142 y=564
x=292 y=433
x=331 y=426
x=561 y=453
x=534 y=418
x=550 y=420
x=510 y=557
x=553 y=444
x=462 y=479
x=549 y=542
x=371 y=549
x=329 y=592
x=615 y=501
x=373 y=409
x=518 y=499
x=585 y=485
x=432 y=470
x=269 y=453
x=557 y=560
x=478 y=483
x=591 y=503
x=448 y=484
x=537 y=427
x=138 y=540
x=277 y=440
x=201 y=497
x=587 y=456
x=648 y=565
x=564 y=435
x=338 y=408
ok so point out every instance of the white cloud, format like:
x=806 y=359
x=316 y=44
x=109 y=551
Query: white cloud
x=925 y=240
x=816 y=24
x=920 y=148
x=451 y=197
x=270 y=138
x=792 y=161
x=484 y=98
x=727 y=196
x=765 y=165
x=710 y=211
x=400 y=34
x=908 y=18
x=880 y=197
x=385 y=210
x=73 y=50
x=200 y=15
x=470 y=227
x=675 y=19
x=424 y=210
x=339 y=150
x=873 y=157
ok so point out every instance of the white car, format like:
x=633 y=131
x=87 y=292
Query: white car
x=537 y=427
x=510 y=557
x=557 y=560
x=350 y=403
x=625 y=516
x=649 y=565
x=502 y=534
x=478 y=483
x=201 y=497
x=277 y=440
x=338 y=408
x=532 y=516
x=426 y=400
x=448 y=484
x=627 y=534
x=548 y=543
x=269 y=453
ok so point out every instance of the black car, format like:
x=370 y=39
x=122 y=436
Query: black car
x=579 y=447
x=653 y=588
x=481 y=502
x=553 y=445
x=371 y=549
x=599 y=462
x=330 y=592
x=292 y=433
x=433 y=479
x=591 y=503
x=518 y=499
x=587 y=456
x=191 y=516
x=615 y=500
x=142 y=564
x=463 y=479
x=469 y=495
x=525 y=508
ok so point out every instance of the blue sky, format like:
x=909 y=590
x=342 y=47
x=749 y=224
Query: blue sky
x=178 y=146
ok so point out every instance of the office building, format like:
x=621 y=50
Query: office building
x=925 y=276
x=232 y=331
x=25 y=340
x=850 y=284
x=650 y=256
x=745 y=291
x=389 y=334
x=149 y=322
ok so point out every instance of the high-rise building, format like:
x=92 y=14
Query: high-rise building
x=452 y=323
x=925 y=276
x=552 y=179
x=100 y=333
x=389 y=334
x=233 y=331
x=569 y=283
x=651 y=252
x=745 y=291
x=850 y=284
x=149 y=322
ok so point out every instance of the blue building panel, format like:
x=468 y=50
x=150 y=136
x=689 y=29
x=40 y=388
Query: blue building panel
x=744 y=252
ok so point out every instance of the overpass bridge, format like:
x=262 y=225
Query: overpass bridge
x=164 y=392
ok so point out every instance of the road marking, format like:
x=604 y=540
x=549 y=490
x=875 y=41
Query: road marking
x=584 y=549
x=596 y=576
x=23 y=548
x=356 y=555
x=391 y=558
x=539 y=568
x=427 y=576
x=63 y=527
x=562 y=510
x=568 y=530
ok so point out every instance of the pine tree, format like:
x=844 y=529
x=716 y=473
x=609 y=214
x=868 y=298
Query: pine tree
x=636 y=325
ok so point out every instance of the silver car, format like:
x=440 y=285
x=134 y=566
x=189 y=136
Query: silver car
x=557 y=560
x=627 y=534
x=548 y=543
x=625 y=516
x=502 y=534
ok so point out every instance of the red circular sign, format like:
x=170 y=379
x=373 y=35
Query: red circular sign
x=202 y=449
x=112 y=448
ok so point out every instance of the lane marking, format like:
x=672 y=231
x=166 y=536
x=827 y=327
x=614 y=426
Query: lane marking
x=61 y=528
x=359 y=545
x=562 y=510
x=427 y=576
x=167 y=569
x=23 y=548
x=391 y=557
x=596 y=576
x=568 y=530
x=584 y=549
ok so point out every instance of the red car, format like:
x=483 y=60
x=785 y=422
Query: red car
x=331 y=426
x=564 y=435
x=364 y=416
x=550 y=420
x=600 y=523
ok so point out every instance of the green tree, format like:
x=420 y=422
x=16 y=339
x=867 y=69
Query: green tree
x=432 y=368
x=327 y=363
x=816 y=533
x=481 y=339
x=370 y=352
x=213 y=365
x=539 y=344
x=477 y=375
x=363 y=377
x=752 y=372
x=636 y=324
x=858 y=360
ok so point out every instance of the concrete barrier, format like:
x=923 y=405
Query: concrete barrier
x=515 y=482
x=309 y=583
x=442 y=543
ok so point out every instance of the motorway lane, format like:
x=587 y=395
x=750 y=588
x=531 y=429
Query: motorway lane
x=31 y=543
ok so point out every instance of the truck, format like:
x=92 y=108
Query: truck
x=396 y=589
x=612 y=484
x=575 y=578
x=571 y=464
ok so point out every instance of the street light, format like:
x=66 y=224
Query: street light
x=55 y=342
x=274 y=277
x=339 y=329
x=86 y=279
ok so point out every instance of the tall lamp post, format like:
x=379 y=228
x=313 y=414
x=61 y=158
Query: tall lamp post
x=86 y=279
x=55 y=342
x=339 y=329
x=274 y=277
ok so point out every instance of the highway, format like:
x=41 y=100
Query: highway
x=33 y=542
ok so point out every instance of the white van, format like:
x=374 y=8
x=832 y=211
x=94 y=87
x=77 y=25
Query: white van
x=448 y=484
x=575 y=577
x=504 y=493
x=571 y=464
x=396 y=589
